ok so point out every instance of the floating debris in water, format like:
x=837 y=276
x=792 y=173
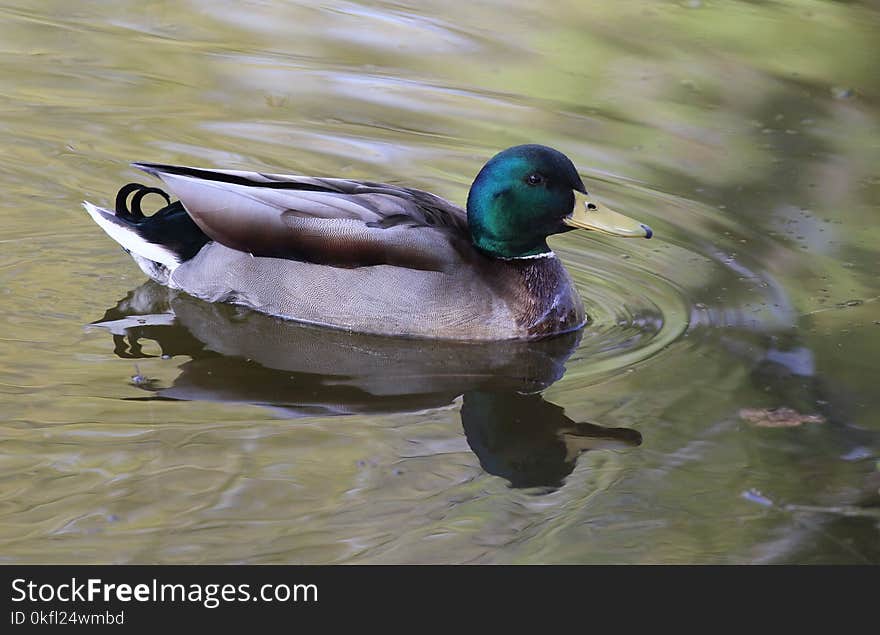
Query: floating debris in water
x=142 y=381
x=850 y=303
x=137 y=379
x=842 y=92
x=756 y=496
x=858 y=454
x=276 y=101
x=777 y=417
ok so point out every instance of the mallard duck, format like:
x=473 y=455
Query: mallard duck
x=372 y=257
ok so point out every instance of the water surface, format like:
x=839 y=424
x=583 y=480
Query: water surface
x=746 y=134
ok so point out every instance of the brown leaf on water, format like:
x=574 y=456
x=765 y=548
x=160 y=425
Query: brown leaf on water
x=777 y=417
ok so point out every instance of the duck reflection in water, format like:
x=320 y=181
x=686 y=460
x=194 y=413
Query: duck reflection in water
x=240 y=356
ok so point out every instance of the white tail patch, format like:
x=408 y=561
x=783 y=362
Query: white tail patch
x=128 y=237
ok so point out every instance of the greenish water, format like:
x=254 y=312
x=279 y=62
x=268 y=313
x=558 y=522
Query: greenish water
x=745 y=133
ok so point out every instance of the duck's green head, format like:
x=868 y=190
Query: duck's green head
x=529 y=192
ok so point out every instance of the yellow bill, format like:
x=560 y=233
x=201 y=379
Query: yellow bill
x=591 y=215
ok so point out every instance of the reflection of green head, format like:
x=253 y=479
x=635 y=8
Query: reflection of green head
x=519 y=198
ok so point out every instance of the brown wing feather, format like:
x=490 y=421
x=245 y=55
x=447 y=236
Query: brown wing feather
x=328 y=221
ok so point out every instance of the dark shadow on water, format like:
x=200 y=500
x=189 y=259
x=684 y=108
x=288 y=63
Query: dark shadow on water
x=240 y=356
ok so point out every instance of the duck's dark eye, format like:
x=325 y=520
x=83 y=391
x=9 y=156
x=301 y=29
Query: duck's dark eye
x=534 y=179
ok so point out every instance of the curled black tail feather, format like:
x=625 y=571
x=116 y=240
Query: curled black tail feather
x=134 y=212
x=170 y=226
